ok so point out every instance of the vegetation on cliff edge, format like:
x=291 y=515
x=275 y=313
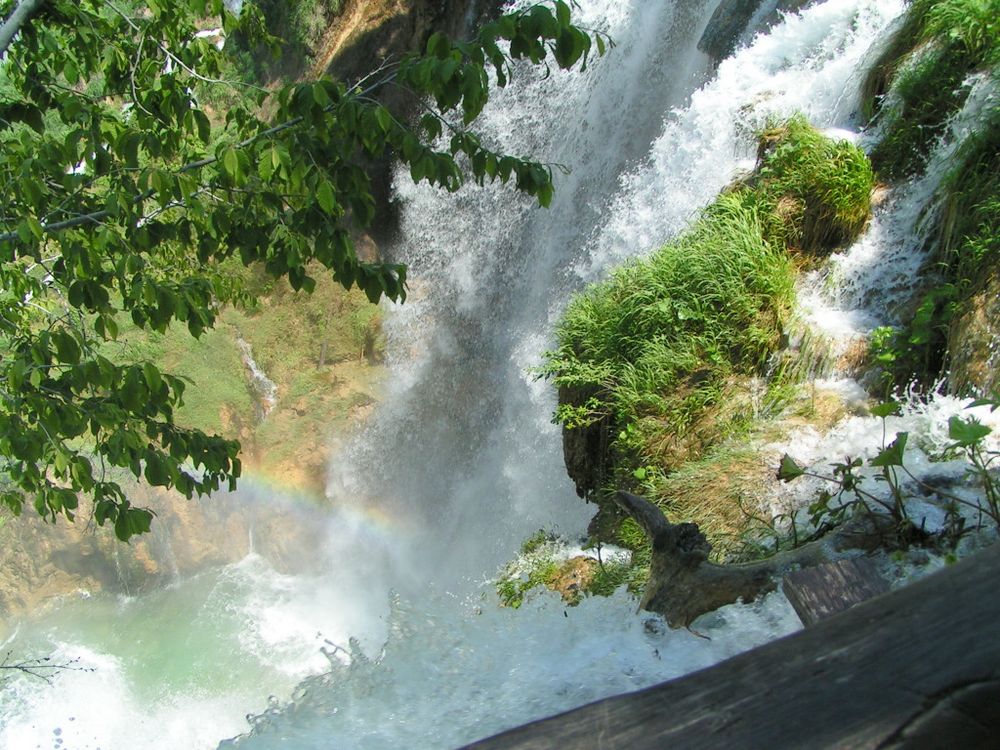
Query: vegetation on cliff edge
x=941 y=52
x=670 y=355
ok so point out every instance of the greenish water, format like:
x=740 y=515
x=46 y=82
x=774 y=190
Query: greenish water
x=175 y=668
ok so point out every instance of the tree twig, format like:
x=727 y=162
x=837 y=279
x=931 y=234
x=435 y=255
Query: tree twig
x=43 y=668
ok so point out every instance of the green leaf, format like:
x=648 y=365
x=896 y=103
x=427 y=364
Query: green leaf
x=325 y=197
x=132 y=521
x=991 y=401
x=67 y=348
x=886 y=409
x=320 y=96
x=152 y=377
x=204 y=126
x=966 y=432
x=789 y=470
x=892 y=455
x=562 y=13
x=545 y=192
x=71 y=72
x=231 y=163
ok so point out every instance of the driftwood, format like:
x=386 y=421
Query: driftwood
x=683 y=584
x=916 y=668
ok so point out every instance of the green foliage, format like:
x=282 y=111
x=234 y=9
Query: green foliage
x=924 y=76
x=544 y=564
x=670 y=350
x=536 y=541
x=967 y=245
x=656 y=346
x=969 y=229
x=927 y=89
x=920 y=81
x=540 y=569
x=610 y=576
x=123 y=198
x=657 y=340
x=972 y=25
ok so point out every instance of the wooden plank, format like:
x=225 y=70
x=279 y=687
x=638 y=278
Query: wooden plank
x=916 y=668
x=823 y=590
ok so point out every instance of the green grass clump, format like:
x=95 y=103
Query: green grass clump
x=972 y=25
x=658 y=342
x=926 y=91
x=610 y=576
x=820 y=187
x=667 y=357
x=545 y=565
x=970 y=222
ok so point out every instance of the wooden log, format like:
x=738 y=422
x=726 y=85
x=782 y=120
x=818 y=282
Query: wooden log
x=916 y=668
x=683 y=584
x=823 y=590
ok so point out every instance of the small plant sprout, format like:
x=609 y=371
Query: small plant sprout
x=968 y=434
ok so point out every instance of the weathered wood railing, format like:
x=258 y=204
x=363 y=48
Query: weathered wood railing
x=918 y=667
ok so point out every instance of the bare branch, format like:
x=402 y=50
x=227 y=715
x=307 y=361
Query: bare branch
x=43 y=668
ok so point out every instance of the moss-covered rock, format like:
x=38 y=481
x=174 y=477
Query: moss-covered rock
x=974 y=341
x=662 y=362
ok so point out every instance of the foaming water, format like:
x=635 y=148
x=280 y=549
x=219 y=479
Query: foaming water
x=928 y=460
x=455 y=670
x=810 y=63
x=177 y=667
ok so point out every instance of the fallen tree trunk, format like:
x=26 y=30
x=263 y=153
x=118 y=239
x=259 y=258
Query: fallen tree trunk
x=916 y=668
x=683 y=584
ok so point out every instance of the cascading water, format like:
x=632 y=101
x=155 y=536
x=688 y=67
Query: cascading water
x=263 y=387
x=461 y=461
x=463 y=448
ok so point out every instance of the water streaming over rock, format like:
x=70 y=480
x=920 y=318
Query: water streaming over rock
x=461 y=460
x=265 y=390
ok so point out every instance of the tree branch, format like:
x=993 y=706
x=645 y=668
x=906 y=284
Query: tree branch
x=99 y=216
x=24 y=10
x=43 y=668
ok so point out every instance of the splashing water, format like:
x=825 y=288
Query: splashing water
x=870 y=283
x=461 y=461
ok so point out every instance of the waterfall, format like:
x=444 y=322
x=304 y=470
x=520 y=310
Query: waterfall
x=463 y=453
x=265 y=390
x=461 y=460
x=463 y=449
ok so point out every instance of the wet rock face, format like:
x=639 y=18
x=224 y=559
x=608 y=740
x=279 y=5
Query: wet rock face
x=730 y=20
x=43 y=562
x=974 y=342
x=585 y=449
